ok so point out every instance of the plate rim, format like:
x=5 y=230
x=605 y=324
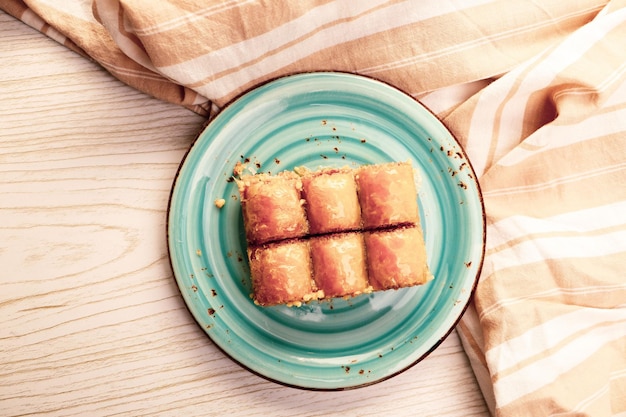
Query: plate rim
x=475 y=279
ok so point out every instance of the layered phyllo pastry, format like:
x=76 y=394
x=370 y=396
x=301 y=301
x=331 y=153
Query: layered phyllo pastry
x=339 y=264
x=334 y=232
x=282 y=273
x=272 y=207
x=387 y=195
x=332 y=203
x=396 y=258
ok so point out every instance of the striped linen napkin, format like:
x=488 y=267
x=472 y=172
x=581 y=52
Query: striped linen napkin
x=536 y=93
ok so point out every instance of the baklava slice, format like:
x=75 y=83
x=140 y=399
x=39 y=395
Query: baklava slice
x=396 y=258
x=331 y=200
x=387 y=195
x=339 y=266
x=272 y=207
x=282 y=273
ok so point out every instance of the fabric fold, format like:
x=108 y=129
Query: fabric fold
x=551 y=301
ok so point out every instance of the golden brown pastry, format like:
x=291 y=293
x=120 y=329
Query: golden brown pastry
x=272 y=207
x=281 y=273
x=331 y=200
x=335 y=232
x=396 y=258
x=339 y=267
x=387 y=195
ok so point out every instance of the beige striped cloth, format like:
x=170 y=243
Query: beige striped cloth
x=535 y=92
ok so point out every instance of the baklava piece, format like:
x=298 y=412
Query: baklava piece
x=396 y=258
x=282 y=273
x=331 y=200
x=334 y=232
x=272 y=207
x=387 y=195
x=339 y=266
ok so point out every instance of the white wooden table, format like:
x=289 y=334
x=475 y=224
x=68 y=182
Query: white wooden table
x=92 y=320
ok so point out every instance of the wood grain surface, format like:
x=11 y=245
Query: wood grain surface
x=92 y=321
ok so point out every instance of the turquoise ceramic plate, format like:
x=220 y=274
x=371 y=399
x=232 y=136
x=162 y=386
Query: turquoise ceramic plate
x=324 y=119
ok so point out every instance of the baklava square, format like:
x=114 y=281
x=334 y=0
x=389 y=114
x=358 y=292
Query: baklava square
x=281 y=273
x=387 y=195
x=272 y=206
x=331 y=199
x=339 y=266
x=396 y=258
